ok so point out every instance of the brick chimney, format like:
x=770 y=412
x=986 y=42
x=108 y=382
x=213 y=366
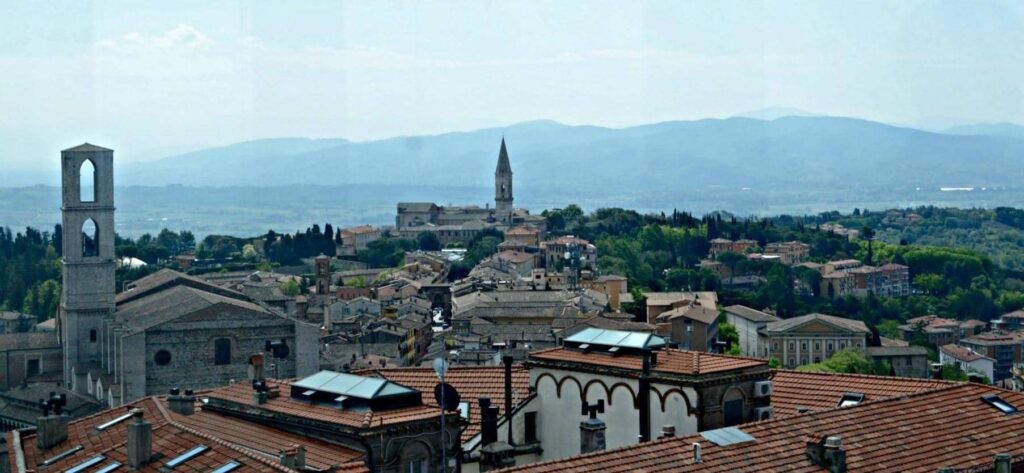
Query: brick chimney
x=294 y=457
x=140 y=441
x=184 y=404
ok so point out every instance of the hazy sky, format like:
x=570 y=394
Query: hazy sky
x=147 y=77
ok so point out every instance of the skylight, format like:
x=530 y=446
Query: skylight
x=111 y=423
x=109 y=468
x=999 y=403
x=85 y=465
x=62 y=455
x=229 y=466
x=851 y=399
x=726 y=436
x=184 y=457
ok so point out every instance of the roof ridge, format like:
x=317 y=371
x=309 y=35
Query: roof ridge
x=243 y=451
x=872 y=376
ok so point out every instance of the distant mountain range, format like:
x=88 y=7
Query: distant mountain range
x=811 y=152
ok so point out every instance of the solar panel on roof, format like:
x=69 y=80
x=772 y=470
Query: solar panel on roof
x=726 y=436
x=85 y=465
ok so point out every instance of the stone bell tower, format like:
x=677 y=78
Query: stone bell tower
x=87 y=294
x=503 y=187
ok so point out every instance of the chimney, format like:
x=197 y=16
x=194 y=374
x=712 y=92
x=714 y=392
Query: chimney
x=51 y=430
x=507 y=360
x=936 y=370
x=828 y=454
x=1003 y=463
x=668 y=431
x=259 y=392
x=182 y=404
x=256 y=367
x=140 y=441
x=294 y=457
x=697 y=457
x=644 y=395
x=488 y=421
x=592 y=429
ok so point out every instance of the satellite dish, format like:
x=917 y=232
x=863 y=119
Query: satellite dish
x=440 y=367
x=451 y=396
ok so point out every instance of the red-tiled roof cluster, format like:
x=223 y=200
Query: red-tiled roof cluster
x=471 y=382
x=962 y=353
x=821 y=391
x=949 y=426
x=251 y=445
x=684 y=362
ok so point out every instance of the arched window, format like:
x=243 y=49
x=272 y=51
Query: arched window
x=222 y=351
x=90 y=239
x=87 y=182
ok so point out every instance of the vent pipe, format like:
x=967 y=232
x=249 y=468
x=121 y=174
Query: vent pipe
x=507 y=359
x=644 y=394
x=697 y=457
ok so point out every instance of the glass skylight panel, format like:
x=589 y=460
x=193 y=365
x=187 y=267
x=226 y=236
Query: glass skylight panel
x=999 y=403
x=585 y=335
x=62 y=455
x=366 y=389
x=229 y=466
x=851 y=399
x=79 y=468
x=109 y=468
x=113 y=422
x=726 y=436
x=184 y=457
x=635 y=340
x=316 y=380
x=610 y=337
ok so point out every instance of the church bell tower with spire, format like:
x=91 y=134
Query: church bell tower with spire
x=503 y=187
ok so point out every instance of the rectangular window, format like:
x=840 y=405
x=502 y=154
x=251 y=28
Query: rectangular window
x=733 y=412
x=803 y=346
x=33 y=367
x=530 y=427
x=222 y=351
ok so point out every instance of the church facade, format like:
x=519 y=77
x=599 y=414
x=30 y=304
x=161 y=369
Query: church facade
x=165 y=330
x=462 y=223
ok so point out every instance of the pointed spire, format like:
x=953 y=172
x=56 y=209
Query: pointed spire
x=503 y=165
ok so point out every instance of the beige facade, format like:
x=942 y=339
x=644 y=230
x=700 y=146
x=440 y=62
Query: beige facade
x=811 y=338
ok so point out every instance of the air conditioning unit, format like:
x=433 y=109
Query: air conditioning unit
x=764 y=413
x=762 y=388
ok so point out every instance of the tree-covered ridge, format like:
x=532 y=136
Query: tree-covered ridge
x=998 y=232
x=661 y=253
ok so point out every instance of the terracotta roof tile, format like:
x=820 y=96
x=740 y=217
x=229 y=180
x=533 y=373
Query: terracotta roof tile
x=910 y=434
x=821 y=391
x=670 y=361
x=471 y=382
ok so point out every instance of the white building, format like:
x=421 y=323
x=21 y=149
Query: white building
x=747 y=322
x=968 y=360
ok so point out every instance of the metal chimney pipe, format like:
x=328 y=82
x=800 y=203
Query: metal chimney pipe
x=507 y=359
x=645 y=398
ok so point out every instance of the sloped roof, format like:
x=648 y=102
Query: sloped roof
x=670 y=361
x=170 y=439
x=821 y=391
x=692 y=311
x=85 y=148
x=963 y=353
x=167 y=278
x=786 y=325
x=471 y=382
x=173 y=303
x=752 y=315
x=908 y=434
x=28 y=341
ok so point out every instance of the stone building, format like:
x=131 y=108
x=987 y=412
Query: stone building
x=906 y=362
x=811 y=338
x=29 y=357
x=462 y=223
x=166 y=327
x=1003 y=347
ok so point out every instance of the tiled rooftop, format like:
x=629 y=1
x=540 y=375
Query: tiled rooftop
x=241 y=393
x=821 y=391
x=910 y=434
x=962 y=353
x=471 y=382
x=170 y=439
x=671 y=361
